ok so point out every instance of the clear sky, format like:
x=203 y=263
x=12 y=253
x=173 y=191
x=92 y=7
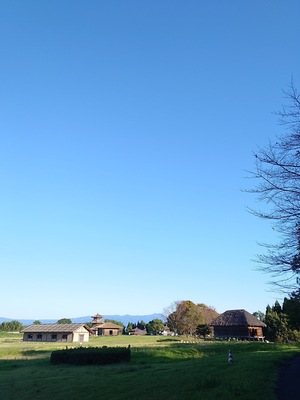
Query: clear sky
x=126 y=128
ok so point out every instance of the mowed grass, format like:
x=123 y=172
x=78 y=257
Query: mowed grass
x=160 y=368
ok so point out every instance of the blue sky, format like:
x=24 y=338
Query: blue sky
x=126 y=128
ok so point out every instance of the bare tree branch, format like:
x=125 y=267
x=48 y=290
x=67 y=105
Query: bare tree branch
x=277 y=173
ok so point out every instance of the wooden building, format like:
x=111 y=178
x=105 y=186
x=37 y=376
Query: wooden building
x=100 y=328
x=239 y=324
x=109 y=329
x=57 y=333
x=137 y=332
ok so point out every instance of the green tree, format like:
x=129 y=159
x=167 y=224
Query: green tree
x=291 y=307
x=185 y=319
x=141 y=325
x=277 y=171
x=203 y=330
x=64 y=321
x=277 y=307
x=129 y=327
x=259 y=315
x=11 y=326
x=37 y=322
x=155 y=327
x=277 y=324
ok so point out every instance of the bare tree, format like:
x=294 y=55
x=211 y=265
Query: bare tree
x=170 y=313
x=277 y=171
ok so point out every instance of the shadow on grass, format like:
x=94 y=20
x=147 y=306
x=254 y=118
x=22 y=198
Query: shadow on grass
x=11 y=365
x=35 y=353
x=207 y=383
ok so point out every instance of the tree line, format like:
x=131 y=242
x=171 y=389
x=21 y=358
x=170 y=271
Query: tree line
x=283 y=321
x=190 y=319
x=182 y=318
x=153 y=327
x=16 y=326
x=11 y=326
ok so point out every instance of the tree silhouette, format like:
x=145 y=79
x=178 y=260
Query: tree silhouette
x=277 y=171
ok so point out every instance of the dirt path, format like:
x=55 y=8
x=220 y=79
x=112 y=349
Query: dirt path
x=289 y=380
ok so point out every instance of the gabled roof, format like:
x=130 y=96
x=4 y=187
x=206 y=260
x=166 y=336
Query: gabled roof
x=237 y=318
x=55 y=328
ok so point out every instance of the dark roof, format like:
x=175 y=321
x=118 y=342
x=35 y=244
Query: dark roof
x=66 y=328
x=237 y=318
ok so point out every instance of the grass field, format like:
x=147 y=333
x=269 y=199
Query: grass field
x=160 y=368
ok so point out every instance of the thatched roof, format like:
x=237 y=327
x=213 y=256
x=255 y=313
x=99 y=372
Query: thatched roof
x=237 y=318
x=54 y=328
x=97 y=316
x=109 y=325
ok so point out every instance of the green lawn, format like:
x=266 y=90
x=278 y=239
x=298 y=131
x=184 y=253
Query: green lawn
x=160 y=368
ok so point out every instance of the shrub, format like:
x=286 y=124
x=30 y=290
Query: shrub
x=91 y=355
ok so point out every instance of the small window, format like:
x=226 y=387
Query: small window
x=54 y=336
x=29 y=336
x=64 y=336
x=39 y=336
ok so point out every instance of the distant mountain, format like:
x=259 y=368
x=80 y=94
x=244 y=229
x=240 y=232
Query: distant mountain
x=125 y=319
x=5 y=320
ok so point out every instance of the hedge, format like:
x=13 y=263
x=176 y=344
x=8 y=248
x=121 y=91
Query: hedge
x=91 y=355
